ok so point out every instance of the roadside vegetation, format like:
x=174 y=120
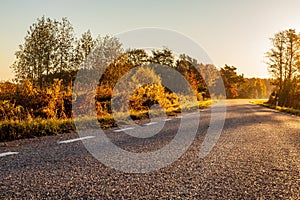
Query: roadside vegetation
x=284 y=65
x=39 y=101
x=265 y=103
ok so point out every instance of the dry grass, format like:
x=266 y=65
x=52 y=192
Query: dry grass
x=17 y=129
x=264 y=102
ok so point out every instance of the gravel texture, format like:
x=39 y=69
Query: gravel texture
x=256 y=157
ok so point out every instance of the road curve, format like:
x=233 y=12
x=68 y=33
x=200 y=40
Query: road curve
x=256 y=157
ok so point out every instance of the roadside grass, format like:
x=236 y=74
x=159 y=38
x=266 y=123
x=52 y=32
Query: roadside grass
x=205 y=104
x=108 y=120
x=264 y=102
x=13 y=130
x=16 y=129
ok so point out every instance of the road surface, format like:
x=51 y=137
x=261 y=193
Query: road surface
x=256 y=157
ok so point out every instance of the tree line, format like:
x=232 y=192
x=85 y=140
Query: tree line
x=284 y=65
x=50 y=57
x=237 y=86
x=51 y=51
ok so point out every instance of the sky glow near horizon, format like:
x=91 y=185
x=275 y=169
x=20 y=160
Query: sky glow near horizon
x=232 y=32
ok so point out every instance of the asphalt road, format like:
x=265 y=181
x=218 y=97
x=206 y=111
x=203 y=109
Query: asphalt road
x=256 y=157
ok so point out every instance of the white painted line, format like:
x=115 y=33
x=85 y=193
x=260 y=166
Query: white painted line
x=75 y=140
x=123 y=129
x=179 y=117
x=8 y=154
x=151 y=123
x=165 y=120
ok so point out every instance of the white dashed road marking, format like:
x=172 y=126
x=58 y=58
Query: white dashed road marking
x=123 y=129
x=165 y=120
x=8 y=154
x=151 y=123
x=75 y=140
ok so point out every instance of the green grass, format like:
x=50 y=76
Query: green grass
x=264 y=102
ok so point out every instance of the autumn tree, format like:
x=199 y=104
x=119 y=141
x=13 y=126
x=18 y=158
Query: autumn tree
x=284 y=63
x=65 y=46
x=83 y=47
x=36 y=56
x=187 y=66
x=231 y=80
x=292 y=54
x=47 y=50
x=163 y=57
x=138 y=57
x=276 y=57
x=254 y=88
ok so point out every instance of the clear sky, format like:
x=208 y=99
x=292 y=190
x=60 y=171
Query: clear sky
x=233 y=32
